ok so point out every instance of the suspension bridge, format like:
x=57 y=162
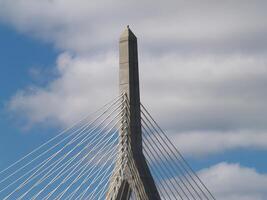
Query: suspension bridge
x=118 y=152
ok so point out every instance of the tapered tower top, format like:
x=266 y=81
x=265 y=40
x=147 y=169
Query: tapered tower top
x=129 y=78
x=127 y=34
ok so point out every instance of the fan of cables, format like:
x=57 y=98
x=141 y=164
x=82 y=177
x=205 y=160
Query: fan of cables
x=79 y=162
x=75 y=164
x=174 y=178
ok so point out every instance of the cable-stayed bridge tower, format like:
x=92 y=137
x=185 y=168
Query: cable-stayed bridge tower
x=134 y=176
x=118 y=152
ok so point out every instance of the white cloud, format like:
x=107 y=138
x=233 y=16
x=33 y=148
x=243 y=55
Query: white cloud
x=206 y=92
x=226 y=181
x=234 y=182
x=86 y=25
x=203 y=143
x=79 y=89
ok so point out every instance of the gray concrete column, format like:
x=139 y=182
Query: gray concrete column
x=135 y=173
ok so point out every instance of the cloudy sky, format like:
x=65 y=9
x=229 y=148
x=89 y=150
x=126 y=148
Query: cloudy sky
x=203 y=73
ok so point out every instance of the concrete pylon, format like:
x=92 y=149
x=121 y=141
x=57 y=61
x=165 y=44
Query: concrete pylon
x=133 y=175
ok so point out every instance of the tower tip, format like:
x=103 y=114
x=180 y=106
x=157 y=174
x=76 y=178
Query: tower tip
x=127 y=33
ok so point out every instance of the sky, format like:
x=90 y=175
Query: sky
x=203 y=76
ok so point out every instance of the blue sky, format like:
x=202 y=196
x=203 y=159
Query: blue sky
x=19 y=54
x=209 y=70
